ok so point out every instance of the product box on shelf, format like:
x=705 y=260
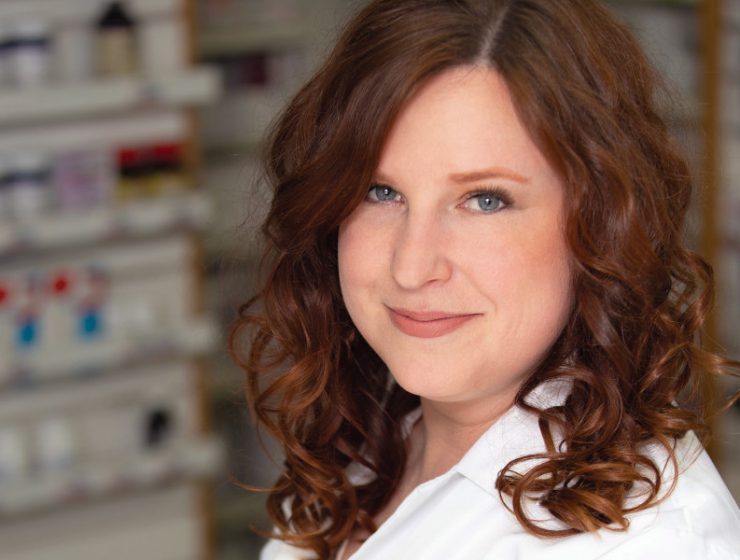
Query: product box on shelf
x=34 y=183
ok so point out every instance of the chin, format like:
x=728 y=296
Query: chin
x=431 y=383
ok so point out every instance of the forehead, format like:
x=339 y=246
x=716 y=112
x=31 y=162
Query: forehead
x=462 y=119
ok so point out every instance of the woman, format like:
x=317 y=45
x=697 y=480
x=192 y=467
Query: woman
x=475 y=337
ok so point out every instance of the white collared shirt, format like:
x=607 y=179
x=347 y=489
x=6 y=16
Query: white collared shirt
x=460 y=516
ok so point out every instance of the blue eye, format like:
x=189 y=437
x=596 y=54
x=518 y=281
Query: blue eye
x=382 y=193
x=486 y=202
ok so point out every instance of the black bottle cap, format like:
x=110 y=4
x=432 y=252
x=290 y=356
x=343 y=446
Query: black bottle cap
x=115 y=16
x=158 y=427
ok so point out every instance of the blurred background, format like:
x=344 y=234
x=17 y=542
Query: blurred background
x=129 y=201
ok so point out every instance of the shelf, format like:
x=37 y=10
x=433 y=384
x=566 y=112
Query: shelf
x=196 y=337
x=227 y=151
x=79 y=10
x=196 y=458
x=64 y=101
x=109 y=131
x=228 y=42
x=128 y=221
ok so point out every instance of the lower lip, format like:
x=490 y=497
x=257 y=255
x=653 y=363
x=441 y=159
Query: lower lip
x=428 y=329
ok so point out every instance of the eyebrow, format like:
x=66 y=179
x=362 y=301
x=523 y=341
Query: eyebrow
x=490 y=173
x=474 y=176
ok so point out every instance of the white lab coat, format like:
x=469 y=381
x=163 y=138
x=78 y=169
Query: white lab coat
x=459 y=515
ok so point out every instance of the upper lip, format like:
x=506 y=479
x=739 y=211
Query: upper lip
x=426 y=316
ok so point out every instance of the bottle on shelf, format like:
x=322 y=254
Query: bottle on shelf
x=30 y=184
x=116 y=37
x=168 y=170
x=55 y=445
x=14 y=456
x=133 y=172
x=7 y=327
x=6 y=46
x=29 y=54
x=90 y=312
x=151 y=170
x=58 y=311
x=74 y=52
x=6 y=182
x=28 y=318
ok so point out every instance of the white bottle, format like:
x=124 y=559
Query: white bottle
x=28 y=305
x=30 y=56
x=55 y=442
x=59 y=313
x=163 y=46
x=30 y=188
x=73 y=53
x=14 y=460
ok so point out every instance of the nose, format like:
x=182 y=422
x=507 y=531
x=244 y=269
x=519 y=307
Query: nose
x=419 y=256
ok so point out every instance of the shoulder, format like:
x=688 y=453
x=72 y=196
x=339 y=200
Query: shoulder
x=700 y=501
x=673 y=543
x=698 y=519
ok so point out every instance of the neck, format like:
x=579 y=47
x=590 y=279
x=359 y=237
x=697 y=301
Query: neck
x=446 y=433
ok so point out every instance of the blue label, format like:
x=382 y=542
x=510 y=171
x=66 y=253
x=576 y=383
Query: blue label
x=90 y=324
x=28 y=333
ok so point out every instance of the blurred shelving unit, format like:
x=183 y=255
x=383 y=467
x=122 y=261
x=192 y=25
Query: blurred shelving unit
x=107 y=96
x=696 y=46
x=265 y=50
x=131 y=220
x=237 y=42
x=724 y=19
x=105 y=447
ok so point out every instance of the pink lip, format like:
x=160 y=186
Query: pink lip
x=427 y=324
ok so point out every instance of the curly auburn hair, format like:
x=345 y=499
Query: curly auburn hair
x=585 y=93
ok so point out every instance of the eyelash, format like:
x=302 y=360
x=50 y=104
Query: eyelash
x=494 y=192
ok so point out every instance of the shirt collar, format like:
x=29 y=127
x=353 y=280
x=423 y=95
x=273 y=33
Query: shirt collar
x=515 y=434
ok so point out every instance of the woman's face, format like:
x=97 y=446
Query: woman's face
x=455 y=268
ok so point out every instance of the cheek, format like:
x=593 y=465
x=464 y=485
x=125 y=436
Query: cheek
x=359 y=257
x=522 y=268
x=510 y=251
x=544 y=285
x=345 y=260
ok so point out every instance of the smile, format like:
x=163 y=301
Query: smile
x=427 y=324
